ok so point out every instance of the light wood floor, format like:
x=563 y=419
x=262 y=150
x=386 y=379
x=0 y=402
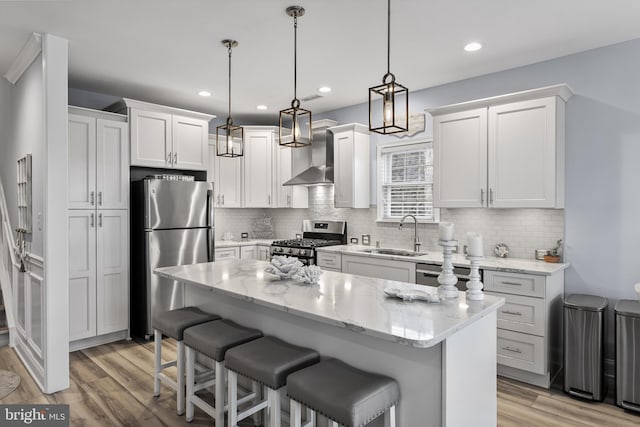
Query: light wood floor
x=112 y=385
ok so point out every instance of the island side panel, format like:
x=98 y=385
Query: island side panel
x=417 y=370
x=469 y=379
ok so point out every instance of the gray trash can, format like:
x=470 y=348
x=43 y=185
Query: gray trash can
x=583 y=346
x=628 y=354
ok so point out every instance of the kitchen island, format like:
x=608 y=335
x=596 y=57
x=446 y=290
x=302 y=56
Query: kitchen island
x=443 y=355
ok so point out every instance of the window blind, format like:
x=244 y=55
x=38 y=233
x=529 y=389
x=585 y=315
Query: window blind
x=407 y=181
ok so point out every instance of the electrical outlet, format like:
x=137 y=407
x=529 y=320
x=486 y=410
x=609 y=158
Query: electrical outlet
x=39 y=221
x=366 y=239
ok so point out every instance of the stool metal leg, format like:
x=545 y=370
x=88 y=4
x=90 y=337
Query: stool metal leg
x=334 y=424
x=219 y=394
x=295 y=416
x=274 y=407
x=191 y=362
x=257 y=391
x=180 y=378
x=233 y=399
x=390 y=417
x=157 y=339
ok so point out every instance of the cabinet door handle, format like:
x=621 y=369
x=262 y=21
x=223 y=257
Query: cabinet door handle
x=511 y=283
x=269 y=200
x=175 y=158
x=491 y=196
x=513 y=313
x=92 y=198
x=482 y=197
x=169 y=158
x=218 y=200
x=100 y=198
x=93 y=220
x=99 y=220
x=513 y=350
x=223 y=200
x=289 y=200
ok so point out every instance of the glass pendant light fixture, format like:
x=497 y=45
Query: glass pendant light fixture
x=393 y=116
x=295 y=122
x=229 y=137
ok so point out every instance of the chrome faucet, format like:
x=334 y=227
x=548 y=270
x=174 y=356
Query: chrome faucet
x=416 y=240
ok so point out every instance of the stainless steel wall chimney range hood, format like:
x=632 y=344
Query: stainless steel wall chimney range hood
x=319 y=155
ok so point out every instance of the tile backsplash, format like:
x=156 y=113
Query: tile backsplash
x=523 y=230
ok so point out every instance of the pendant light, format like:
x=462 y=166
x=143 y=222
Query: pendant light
x=393 y=116
x=294 y=120
x=229 y=137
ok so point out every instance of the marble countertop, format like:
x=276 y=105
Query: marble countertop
x=515 y=265
x=243 y=242
x=353 y=302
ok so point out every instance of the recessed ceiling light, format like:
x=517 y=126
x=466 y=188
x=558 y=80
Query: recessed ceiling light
x=261 y=107
x=473 y=46
x=204 y=93
x=324 y=89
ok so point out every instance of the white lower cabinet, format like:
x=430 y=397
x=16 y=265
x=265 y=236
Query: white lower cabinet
x=248 y=252
x=331 y=261
x=98 y=272
x=529 y=346
x=381 y=268
x=264 y=252
x=227 y=253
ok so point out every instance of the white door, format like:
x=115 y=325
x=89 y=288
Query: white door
x=82 y=274
x=150 y=139
x=343 y=170
x=522 y=156
x=282 y=174
x=190 y=143
x=264 y=253
x=112 y=160
x=460 y=159
x=257 y=169
x=112 y=271
x=228 y=183
x=81 y=193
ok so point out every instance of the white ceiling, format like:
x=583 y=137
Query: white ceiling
x=165 y=51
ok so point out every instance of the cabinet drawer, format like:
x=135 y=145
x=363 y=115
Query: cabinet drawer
x=514 y=283
x=330 y=261
x=227 y=253
x=521 y=351
x=521 y=314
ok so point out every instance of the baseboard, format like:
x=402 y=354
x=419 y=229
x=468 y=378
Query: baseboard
x=543 y=381
x=99 y=340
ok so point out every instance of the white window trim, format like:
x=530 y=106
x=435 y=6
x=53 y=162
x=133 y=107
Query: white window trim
x=389 y=146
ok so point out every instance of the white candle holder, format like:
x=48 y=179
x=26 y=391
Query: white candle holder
x=447 y=279
x=474 y=285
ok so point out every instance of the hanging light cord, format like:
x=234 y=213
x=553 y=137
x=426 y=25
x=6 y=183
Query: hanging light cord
x=229 y=119
x=388 y=36
x=295 y=103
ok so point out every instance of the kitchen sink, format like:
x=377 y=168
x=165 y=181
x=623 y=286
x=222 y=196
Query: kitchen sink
x=399 y=252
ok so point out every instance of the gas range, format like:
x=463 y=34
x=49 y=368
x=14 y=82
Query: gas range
x=315 y=234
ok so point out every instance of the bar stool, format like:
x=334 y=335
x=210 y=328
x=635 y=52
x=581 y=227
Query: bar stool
x=266 y=361
x=173 y=324
x=213 y=339
x=342 y=393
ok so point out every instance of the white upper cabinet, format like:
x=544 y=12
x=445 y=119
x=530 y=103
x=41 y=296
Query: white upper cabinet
x=98 y=155
x=460 y=159
x=258 y=159
x=501 y=152
x=351 y=165
x=290 y=196
x=524 y=145
x=167 y=137
x=226 y=175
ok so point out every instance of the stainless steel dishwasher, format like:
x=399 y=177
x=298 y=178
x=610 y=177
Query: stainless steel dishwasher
x=427 y=274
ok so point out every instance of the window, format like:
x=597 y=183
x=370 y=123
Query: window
x=405 y=182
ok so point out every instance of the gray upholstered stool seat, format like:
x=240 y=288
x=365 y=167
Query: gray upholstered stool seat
x=173 y=323
x=342 y=393
x=213 y=339
x=267 y=361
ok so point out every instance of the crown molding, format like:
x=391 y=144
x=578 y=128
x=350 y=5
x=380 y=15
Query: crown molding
x=29 y=52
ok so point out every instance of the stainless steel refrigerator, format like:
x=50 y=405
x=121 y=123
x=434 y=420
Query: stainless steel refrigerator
x=172 y=223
